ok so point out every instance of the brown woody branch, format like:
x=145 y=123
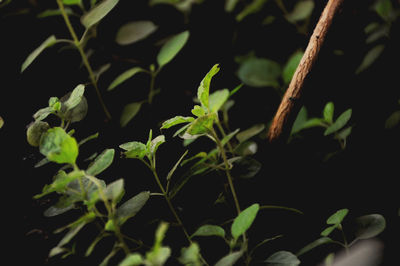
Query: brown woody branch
x=293 y=92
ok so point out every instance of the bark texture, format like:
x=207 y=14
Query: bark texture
x=293 y=92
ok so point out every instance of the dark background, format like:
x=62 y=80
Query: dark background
x=362 y=178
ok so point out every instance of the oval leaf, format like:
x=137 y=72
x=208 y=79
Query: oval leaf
x=124 y=76
x=102 y=162
x=217 y=99
x=282 y=258
x=131 y=207
x=301 y=11
x=203 y=92
x=339 y=123
x=244 y=220
x=369 y=226
x=370 y=57
x=74 y=97
x=259 y=72
x=134 y=31
x=337 y=217
x=291 y=66
x=201 y=125
x=171 y=48
x=176 y=120
x=134 y=149
x=32 y=56
x=129 y=112
x=58 y=146
x=328 y=112
x=230 y=259
x=98 y=13
x=35 y=132
x=115 y=190
x=209 y=230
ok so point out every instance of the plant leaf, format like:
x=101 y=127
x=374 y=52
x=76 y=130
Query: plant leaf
x=328 y=112
x=72 y=2
x=132 y=260
x=115 y=190
x=250 y=132
x=251 y=8
x=339 y=123
x=201 y=125
x=370 y=57
x=217 y=99
x=171 y=172
x=291 y=66
x=124 y=76
x=191 y=255
x=134 y=149
x=35 y=132
x=102 y=162
x=393 y=120
x=32 y=56
x=282 y=258
x=129 y=112
x=1 y=122
x=369 y=226
x=74 y=98
x=58 y=146
x=198 y=111
x=155 y=143
x=132 y=206
x=203 y=92
x=337 y=217
x=230 y=259
x=314 y=244
x=244 y=220
x=176 y=120
x=259 y=72
x=209 y=230
x=302 y=10
x=171 y=48
x=134 y=31
x=98 y=12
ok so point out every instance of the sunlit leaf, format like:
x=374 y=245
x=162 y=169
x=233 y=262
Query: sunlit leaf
x=171 y=48
x=134 y=149
x=98 y=12
x=302 y=10
x=337 y=217
x=244 y=220
x=155 y=143
x=74 y=105
x=230 y=259
x=339 y=123
x=291 y=66
x=32 y=56
x=134 y=31
x=370 y=57
x=176 y=120
x=132 y=206
x=124 y=76
x=209 y=230
x=58 y=146
x=35 y=132
x=328 y=112
x=129 y=112
x=203 y=91
x=282 y=258
x=369 y=226
x=259 y=72
x=102 y=162
x=217 y=99
x=202 y=125
x=75 y=97
x=198 y=111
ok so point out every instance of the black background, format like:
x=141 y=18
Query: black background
x=362 y=178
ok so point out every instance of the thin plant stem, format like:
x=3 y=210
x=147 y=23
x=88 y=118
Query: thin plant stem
x=84 y=57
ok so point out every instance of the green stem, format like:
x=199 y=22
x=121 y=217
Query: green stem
x=84 y=57
x=227 y=172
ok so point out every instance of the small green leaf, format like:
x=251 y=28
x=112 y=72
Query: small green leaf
x=134 y=149
x=259 y=72
x=102 y=162
x=209 y=230
x=155 y=143
x=370 y=57
x=124 y=76
x=228 y=137
x=134 y=31
x=328 y=112
x=74 y=105
x=58 y=146
x=191 y=255
x=129 y=112
x=337 y=217
x=327 y=231
x=171 y=48
x=291 y=66
x=203 y=91
x=201 y=125
x=43 y=113
x=369 y=226
x=171 y=172
x=314 y=244
x=244 y=220
x=32 y=56
x=198 y=111
x=132 y=260
x=282 y=258
x=384 y=8
x=132 y=206
x=115 y=190
x=98 y=12
x=230 y=259
x=339 y=123
x=251 y=8
x=300 y=120
x=217 y=99
x=250 y=132
x=301 y=11
x=176 y=120
x=35 y=132
x=110 y=226
x=74 y=98
x=343 y=134
x=158 y=255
